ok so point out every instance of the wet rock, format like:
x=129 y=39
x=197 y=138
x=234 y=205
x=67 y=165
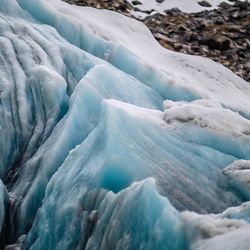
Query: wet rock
x=204 y=4
x=173 y=11
x=136 y=2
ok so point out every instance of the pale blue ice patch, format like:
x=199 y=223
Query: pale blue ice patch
x=102 y=82
x=106 y=220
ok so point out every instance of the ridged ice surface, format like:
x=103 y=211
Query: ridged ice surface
x=3 y=202
x=108 y=141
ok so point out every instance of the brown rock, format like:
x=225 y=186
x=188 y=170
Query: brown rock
x=218 y=42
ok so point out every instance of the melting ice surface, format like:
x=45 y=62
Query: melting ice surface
x=109 y=141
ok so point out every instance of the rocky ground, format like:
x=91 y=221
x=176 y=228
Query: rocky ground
x=222 y=34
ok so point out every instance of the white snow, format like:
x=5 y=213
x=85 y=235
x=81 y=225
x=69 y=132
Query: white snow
x=148 y=115
x=188 y=6
x=235 y=240
x=183 y=5
x=208 y=114
x=228 y=230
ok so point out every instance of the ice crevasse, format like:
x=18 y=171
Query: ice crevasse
x=109 y=141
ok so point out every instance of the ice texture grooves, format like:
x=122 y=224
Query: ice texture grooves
x=108 y=141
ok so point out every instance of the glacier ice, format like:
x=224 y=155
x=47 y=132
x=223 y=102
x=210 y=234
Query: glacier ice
x=238 y=174
x=3 y=202
x=3 y=212
x=83 y=115
x=108 y=141
x=104 y=219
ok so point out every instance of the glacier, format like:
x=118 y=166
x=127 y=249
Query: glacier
x=109 y=141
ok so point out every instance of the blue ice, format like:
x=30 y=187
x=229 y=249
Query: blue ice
x=86 y=157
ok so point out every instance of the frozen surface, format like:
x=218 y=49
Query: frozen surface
x=228 y=230
x=185 y=6
x=149 y=7
x=238 y=239
x=109 y=141
x=238 y=174
x=208 y=114
x=3 y=205
x=104 y=219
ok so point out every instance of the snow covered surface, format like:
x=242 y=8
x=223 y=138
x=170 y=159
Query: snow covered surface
x=106 y=137
x=149 y=7
x=228 y=230
x=238 y=239
x=185 y=6
x=210 y=115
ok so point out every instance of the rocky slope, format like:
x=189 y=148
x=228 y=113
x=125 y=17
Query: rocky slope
x=222 y=34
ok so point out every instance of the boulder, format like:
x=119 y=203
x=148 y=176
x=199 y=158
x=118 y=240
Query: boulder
x=218 y=42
